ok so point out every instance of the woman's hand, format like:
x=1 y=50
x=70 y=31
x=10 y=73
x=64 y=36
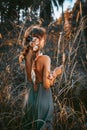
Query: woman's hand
x=57 y=71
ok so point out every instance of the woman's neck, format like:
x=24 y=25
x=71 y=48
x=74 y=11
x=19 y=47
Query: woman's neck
x=38 y=53
x=33 y=55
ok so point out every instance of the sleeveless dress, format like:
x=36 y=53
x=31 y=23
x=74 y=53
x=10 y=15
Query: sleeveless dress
x=39 y=112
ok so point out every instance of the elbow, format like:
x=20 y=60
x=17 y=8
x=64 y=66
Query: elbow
x=46 y=85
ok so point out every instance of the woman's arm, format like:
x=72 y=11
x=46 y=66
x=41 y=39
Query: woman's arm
x=46 y=71
x=54 y=74
x=48 y=76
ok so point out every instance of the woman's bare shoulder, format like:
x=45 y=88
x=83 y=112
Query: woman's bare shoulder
x=45 y=57
x=45 y=60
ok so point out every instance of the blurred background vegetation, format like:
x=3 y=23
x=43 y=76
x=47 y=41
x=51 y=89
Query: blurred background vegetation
x=66 y=44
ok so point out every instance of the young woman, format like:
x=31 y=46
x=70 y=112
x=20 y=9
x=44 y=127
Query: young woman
x=39 y=113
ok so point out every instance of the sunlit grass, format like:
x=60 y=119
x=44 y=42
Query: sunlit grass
x=70 y=110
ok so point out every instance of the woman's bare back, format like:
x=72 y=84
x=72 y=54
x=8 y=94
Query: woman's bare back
x=40 y=65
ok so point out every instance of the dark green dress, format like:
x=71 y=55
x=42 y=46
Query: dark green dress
x=39 y=113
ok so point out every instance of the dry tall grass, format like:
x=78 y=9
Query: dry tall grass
x=70 y=110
